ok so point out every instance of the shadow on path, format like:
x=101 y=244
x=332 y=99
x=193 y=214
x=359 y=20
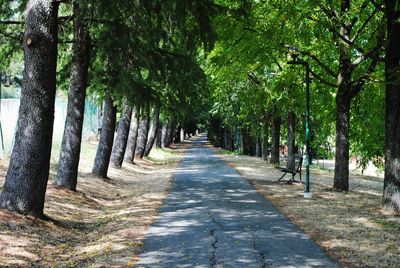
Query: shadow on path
x=214 y=218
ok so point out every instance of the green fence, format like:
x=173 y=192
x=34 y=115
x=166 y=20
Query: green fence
x=9 y=116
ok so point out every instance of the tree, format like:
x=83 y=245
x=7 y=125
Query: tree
x=118 y=151
x=143 y=132
x=291 y=140
x=276 y=133
x=391 y=194
x=27 y=176
x=133 y=134
x=103 y=154
x=67 y=172
x=351 y=23
x=153 y=131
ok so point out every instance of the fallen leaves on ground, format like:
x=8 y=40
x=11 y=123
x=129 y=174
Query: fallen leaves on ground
x=100 y=225
x=350 y=226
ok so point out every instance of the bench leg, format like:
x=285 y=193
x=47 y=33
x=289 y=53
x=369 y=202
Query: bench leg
x=281 y=177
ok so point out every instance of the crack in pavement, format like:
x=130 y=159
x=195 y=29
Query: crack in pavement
x=214 y=241
x=261 y=253
x=213 y=218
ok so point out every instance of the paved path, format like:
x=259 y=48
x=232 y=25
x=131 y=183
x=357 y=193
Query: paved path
x=214 y=218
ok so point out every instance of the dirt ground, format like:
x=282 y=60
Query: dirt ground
x=100 y=225
x=351 y=227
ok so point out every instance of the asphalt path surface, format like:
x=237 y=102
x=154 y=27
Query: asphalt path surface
x=214 y=218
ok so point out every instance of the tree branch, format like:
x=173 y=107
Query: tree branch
x=11 y=22
x=323 y=81
x=332 y=15
x=377 y=6
x=358 y=84
x=359 y=31
x=11 y=36
x=171 y=53
x=325 y=67
x=362 y=8
x=374 y=52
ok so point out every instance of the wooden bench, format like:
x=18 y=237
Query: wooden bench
x=296 y=170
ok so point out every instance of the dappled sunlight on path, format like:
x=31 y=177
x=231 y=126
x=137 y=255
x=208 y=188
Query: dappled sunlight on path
x=214 y=218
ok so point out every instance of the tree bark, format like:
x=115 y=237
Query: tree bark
x=118 y=151
x=164 y=135
x=143 y=133
x=26 y=180
x=276 y=136
x=169 y=135
x=341 y=176
x=225 y=138
x=153 y=132
x=133 y=134
x=247 y=142
x=159 y=135
x=291 y=140
x=343 y=100
x=258 y=146
x=265 y=145
x=67 y=172
x=102 y=160
x=177 y=138
x=391 y=193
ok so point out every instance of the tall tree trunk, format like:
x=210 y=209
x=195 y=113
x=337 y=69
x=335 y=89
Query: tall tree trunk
x=25 y=186
x=177 y=138
x=265 y=145
x=133 y=134
x=153 y=132
x=343 y=100
x=391 y=193
x=102 y=160
x=169 y=136
x=143 y=133
x=67 y=172
x=172 y=131
x=246 y=142
x=341 y=176
x=276 y=136
x=118 y=151
x=159 y=135
x=164 y=135
x=291 y=140
x=258 y=145
x=225 y=138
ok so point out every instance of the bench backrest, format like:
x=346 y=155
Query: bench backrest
x=298 y=161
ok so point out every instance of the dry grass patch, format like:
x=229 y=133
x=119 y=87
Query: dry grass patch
x=351 y=226
x=100 y=225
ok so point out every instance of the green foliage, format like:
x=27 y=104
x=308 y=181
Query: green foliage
x=225 y=60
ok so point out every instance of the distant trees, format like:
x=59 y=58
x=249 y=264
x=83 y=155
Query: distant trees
x=344 y=42
x=155 y=61
x=128 y=53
